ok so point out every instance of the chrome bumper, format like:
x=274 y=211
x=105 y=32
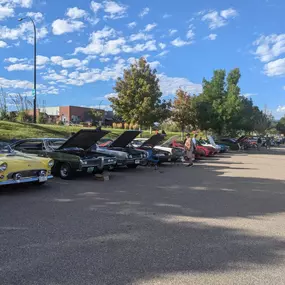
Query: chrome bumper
x=23 y=180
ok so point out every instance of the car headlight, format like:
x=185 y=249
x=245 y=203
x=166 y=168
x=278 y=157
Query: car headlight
x=130 y=156
x=82 y=162
x=51 y=163
x=3 y=167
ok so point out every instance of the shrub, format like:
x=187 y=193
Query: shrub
x=126 y=126
x=119 y=125
x=114 y=125
x=60 y=123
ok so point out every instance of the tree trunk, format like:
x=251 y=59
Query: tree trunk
x=150 y=130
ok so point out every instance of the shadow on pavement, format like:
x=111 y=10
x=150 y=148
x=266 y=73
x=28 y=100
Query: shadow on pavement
x=143 y=227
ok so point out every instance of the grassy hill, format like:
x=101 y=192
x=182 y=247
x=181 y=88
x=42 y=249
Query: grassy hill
x=9 y=130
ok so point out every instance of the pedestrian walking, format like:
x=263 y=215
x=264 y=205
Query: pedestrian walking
x=268 y=142
x=259 y=143
x=189 y=150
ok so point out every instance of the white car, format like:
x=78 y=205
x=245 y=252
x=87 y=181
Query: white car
x=174 y=152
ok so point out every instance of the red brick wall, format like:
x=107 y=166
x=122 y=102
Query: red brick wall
x=64 y=111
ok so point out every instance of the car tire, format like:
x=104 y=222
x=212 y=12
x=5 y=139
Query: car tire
x=132 y=166
x=65 y=171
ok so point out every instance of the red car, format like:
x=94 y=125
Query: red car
x=200 y=150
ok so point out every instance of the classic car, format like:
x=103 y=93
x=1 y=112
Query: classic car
x=173 y=153
x=199 y=151
x=163 y=154
x=120 y=147
x=17 y=167
x=71 y=155
x=223 y=147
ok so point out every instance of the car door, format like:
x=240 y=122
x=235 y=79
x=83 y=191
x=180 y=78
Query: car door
x=30 y=146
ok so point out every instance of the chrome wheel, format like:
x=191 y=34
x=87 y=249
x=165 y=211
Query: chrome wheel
x=65 y=171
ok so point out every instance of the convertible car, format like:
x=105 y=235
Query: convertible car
x=16 y=167
x=70 y=156
x=120 y=147
x=157 y=152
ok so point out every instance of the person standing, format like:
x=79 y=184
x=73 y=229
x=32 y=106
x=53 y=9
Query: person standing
x=259 y=143
x=268 y=142
x=189 y=150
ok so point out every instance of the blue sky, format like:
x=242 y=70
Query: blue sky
x=83 y=46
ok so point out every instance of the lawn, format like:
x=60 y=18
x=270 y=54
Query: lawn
x=9 y=130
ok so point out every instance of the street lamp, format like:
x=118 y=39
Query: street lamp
x=35 y=66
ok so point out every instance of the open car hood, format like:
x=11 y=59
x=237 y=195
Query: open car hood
x=84 y=139
x=124 y=139
x=169 y=142
x=153 y=141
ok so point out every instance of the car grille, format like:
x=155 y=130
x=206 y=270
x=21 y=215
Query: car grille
x=93 y=162
x=26 y=173
x=110 y=161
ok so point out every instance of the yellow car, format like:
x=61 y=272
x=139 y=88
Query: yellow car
x=17 y=167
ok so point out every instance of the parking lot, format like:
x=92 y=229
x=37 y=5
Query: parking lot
x=220 y=222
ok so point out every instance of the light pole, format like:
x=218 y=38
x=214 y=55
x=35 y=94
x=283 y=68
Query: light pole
x=35 y=66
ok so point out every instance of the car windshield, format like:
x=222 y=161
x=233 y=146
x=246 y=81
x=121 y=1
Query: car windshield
x=55 y=144
x=5 y=148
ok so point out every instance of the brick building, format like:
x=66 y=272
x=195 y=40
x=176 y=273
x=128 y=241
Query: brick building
x=75 y=114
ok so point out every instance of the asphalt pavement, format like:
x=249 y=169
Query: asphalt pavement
x=220 y=222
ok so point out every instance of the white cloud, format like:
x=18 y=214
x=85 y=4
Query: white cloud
x=21 y=3
x=147 y=46
x=275 y=68
x=169 y=85
x=150 y=27
x=19 y=66
x=101 y=44
x=60 y=26
x=248 y=95
x=104 y=59
x=18 y=84
x=69 y=41
x=14 y=59
x=162 y=45
x=154 y=64
x=115 y=10
x=217 y=20
x=165 y=16
x=172 y=32
x=280 y=109
x=75 y=13
x=24 y=31
x=144 y=12
x=163 y=53
x=69 y=63
x=214 y=19
x=6 y=12
x=229 y=13
x=42 y=60
x=95 y=6
x=132 y=25
x=190 y=34
x=38 y=17
x=211 y=37
x=25 y=64
x=179 y=43
x=270 y=47
x=111 y=95
x=140 y=37
x=3 y=44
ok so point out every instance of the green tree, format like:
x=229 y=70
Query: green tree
x=214 y=95
x=183 y=110
x=281 y=126
x=139 y=96
x=96 y=115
